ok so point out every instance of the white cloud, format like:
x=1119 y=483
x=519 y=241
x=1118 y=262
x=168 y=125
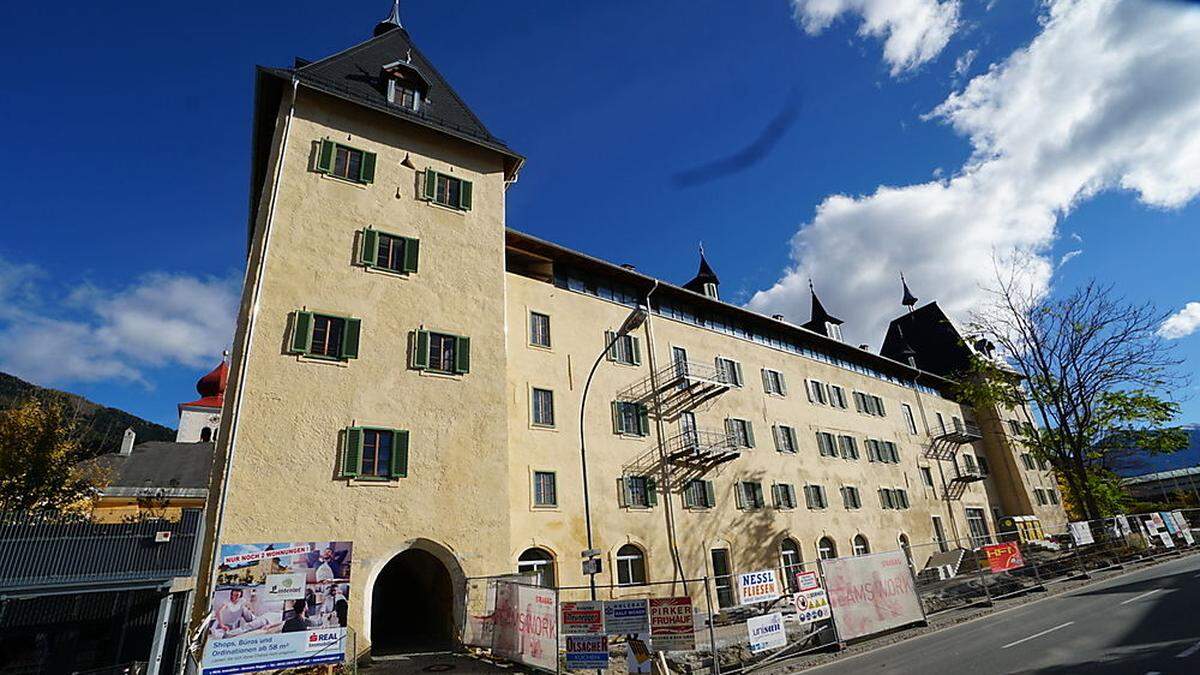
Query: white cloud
x=92 y=333
x=1106 y=96
x=1068 y=257
x=1182 y=323
x=913 y=31
x=963 y=63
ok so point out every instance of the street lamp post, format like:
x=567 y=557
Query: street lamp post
x=631 y=323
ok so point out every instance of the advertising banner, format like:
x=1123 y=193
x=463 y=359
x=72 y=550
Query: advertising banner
x=1184 y=528
x=806 y=581
x=755 y=587
x=1081 y=532
x=1169 y=522
x=1004 y=557
x=526 y=629
x=481 y=607
x=638 y=658
x=626 y=617
x=871 y=593
x=278 y=605
x=582 y=618
x=766 y=632
x=812 y=605
x=1123 y=526
x=587 y=652
x=671 y=625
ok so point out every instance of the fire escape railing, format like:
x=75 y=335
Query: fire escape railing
x=701 y=448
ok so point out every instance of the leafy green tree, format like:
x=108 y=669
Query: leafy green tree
x=40 y=459
x=1096 y=375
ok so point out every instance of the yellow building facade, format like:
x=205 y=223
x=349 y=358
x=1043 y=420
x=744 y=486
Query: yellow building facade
x=407 y=374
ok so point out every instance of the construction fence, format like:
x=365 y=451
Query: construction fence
x=746 y=620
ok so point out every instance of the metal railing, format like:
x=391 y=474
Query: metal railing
x=41 y=549
x=680 y=385
x=700 y=447
x=958 y=432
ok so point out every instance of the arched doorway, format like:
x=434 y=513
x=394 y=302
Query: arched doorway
x=412 y=605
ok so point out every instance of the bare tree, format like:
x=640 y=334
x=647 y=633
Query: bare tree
x=1096 y=374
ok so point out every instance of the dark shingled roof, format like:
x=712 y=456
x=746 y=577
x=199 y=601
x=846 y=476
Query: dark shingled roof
x=160 y=464
x=356 y=74
x=819 y=317
x=705 y=275
x=930 y=337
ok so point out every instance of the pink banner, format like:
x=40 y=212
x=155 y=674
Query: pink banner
x=871 y=593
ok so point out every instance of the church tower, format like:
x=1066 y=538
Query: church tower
x=199 y=419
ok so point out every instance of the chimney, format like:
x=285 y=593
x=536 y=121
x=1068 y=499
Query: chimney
x=628 y=266
x=127 y=442
x=777 y=317
x=865 y=348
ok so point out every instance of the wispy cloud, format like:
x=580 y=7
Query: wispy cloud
x=913 y=31
x=962 y=65
x=1182 y=323
x=1106 y=96
x=1068 y=257
x=91 y=333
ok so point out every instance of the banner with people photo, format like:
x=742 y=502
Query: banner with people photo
x=278 y=605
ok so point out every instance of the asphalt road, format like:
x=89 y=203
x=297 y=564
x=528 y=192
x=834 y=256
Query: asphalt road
x=1141 y=623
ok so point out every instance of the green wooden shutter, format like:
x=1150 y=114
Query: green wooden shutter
x=350 y=338
x=302 y=332
x=611 y=344
x=352 y=452
x=637 y=350
x=710 y=494
x=399 y=468
x=420 y=352
x=462 y=355
x=651 y=491
x=808 y=390
x=412 y=251
x=464 y=196
x=689 y=499
x=643 y=421
x=325 y=156
x=782 y=385
x=370 y=247
x=749 y=434
x=737 y=373
x=430 y=185
x=367 y=174
x=740 y=494
x=775 y=499
x=623 y=497
x=618 y=427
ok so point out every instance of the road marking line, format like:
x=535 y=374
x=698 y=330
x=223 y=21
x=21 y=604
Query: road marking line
x=1189 y=651
x=1139 y=597
x=1037 y=635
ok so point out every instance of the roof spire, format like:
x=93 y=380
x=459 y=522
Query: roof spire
x=705 y=282
x=391 y=22
x=820 y=320
x=909 y=299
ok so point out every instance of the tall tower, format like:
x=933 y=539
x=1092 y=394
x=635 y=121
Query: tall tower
x=199 y=419
x=367 y=383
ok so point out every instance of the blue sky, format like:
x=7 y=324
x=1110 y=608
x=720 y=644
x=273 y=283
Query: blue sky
x=123 y=204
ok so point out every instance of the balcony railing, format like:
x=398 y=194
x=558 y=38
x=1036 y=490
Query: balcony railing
x=958 y=432
x=38 y=549
x=701 y=447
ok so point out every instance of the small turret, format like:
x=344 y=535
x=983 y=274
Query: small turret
x=705 y=282
x=820 y=320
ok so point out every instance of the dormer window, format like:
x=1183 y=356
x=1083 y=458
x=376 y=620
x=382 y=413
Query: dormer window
x=833 y=330
x=710 y=289
x=406 y=88
x=404 y=95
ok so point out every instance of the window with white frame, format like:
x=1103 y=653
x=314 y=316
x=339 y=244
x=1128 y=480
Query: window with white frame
x=545 y=488
x=792 y=559
x=814 y=497
x=784 y=495
x=826 y=549
x=817 y=392
x=542 y=407
x=625 y=349
x=539 y=329
x=861 y=547
x=909 y=420
x=826 y=444
x=750 y=495
x=773 y=382
x=631 y=566
x=539 y=562
x=740 y=432
x=837 y=396
x=729 y=371
x=785 y=439
x=849 y=447
x=851 y=499
x=630 y=419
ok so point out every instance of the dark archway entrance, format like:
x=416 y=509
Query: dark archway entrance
x=412 y=605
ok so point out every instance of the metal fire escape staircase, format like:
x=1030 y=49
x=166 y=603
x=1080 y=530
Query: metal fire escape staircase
x=675 y=389
x=944 y=446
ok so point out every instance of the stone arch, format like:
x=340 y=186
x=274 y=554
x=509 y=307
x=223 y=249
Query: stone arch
x=420 y=570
